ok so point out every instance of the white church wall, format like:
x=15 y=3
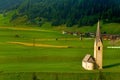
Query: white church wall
x=90 y=66
x=87 y=65
x=84 y=64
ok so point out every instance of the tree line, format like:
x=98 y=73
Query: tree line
x=69 y=12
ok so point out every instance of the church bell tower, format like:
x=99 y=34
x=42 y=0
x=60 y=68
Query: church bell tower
x=98 y=48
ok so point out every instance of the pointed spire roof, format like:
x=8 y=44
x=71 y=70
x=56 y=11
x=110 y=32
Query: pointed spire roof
x=98 y=34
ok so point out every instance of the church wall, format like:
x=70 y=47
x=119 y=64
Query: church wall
x=84 y=64
x=88 y=65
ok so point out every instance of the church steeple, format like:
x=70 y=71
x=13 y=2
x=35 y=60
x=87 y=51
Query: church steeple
x=89 y=62
x=98 y=48
x=98 y=34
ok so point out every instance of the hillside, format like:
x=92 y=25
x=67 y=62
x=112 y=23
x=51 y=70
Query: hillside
x=69 y=12
x=7 y=5
x=62 y=12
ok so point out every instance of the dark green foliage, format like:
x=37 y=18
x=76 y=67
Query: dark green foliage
x=60 y=76
x=34 y=77
x=14 y=16
x=6 y=5
x=70 y=12
x=101 y=76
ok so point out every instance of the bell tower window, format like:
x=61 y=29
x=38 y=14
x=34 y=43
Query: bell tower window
x=99 y=48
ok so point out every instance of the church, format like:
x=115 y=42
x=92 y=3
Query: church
x=89 y=62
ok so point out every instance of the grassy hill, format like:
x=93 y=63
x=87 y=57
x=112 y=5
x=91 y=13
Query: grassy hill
x=5 y=18
x=5 y=21
x=82 y=16
x=110 y=28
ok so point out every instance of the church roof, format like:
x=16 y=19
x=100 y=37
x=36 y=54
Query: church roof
x=98 y=34
x=89 y=58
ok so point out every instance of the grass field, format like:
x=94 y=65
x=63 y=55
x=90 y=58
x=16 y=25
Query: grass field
x=18 y=61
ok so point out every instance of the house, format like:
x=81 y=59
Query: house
x=64 y=32
x=110 y=37
x=88 y=62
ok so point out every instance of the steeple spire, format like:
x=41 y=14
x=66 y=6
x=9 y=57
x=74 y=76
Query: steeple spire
x=98 y=34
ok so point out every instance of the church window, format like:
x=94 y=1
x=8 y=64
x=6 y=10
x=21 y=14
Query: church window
x=99 y=48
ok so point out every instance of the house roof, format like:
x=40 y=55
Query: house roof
x=89 y=58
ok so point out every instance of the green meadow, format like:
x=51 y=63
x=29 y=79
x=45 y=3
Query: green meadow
x=19 y=61
x=28 y=62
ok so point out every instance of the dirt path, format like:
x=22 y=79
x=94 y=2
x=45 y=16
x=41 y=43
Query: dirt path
x=38 y=45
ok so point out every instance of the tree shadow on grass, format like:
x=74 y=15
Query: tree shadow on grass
x=112 y=65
